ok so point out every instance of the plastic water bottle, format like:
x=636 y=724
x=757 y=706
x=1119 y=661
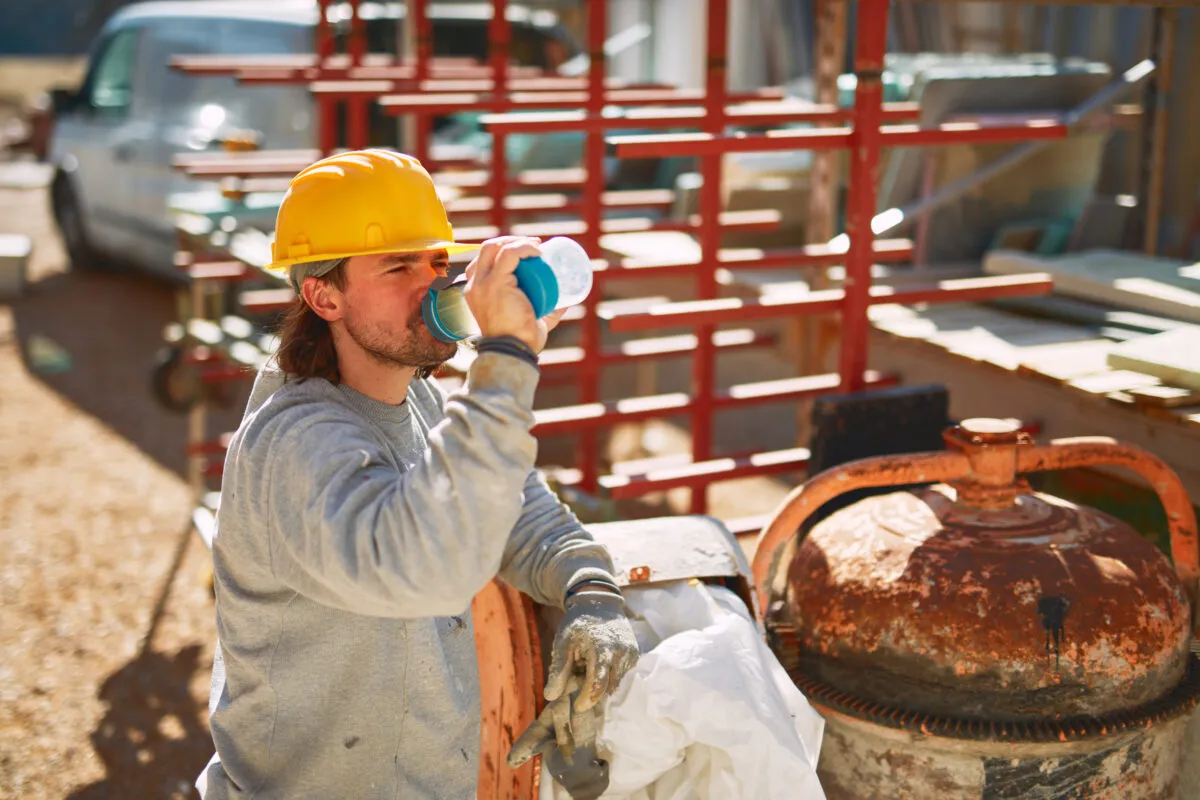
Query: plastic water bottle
x=559 y=278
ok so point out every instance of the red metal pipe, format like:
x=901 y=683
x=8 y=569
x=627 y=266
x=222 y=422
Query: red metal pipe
x=499 y=46
x=697 y=476
x=870 y=48
x=358 y=123
x=572 y=419
x=744 y=115
x=422 y=124
x=357 y=44
x=734 y=309
x=704 y=364
x=699 y=144
x=323 y=39
x=707 y=144
x=592 y=207
x=566 y=100
x=816 y=255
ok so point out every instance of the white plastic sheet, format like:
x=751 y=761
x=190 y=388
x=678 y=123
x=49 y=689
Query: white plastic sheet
x=708 y=713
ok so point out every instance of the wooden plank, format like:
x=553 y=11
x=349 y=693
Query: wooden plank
x=1124 y=279
x=1173 y=356
x=1104 y=383
x=1165 y=396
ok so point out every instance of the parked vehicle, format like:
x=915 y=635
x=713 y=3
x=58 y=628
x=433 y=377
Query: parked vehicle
x=114 y=138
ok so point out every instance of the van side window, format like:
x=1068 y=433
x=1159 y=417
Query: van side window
x=111 y=86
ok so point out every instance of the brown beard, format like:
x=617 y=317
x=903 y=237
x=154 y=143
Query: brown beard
x=419 y=350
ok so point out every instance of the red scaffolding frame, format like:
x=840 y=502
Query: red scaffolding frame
x=424 y=86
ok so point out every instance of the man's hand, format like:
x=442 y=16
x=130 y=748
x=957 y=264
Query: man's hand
x=497 y=303
x=566 y=740
x=596 y=638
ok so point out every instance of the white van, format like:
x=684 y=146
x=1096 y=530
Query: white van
x=114 y=138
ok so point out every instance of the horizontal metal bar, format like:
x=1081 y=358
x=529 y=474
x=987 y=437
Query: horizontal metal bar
x=746 y=115
x=748 y=526
x=708 y=144
x=625 y=198
x=569 y=419
x=380 y=87
x=750 y=220
x=218 y=271
x=302 y=68
x=705 y=472
x=816 y=255
x=731 y=309
x=700 y=144
x=266 y=300
x=479 y=101
x=658 y=347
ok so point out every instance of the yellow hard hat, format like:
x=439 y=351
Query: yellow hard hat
x=360 y=203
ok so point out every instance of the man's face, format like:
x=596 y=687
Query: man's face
x=383 y=296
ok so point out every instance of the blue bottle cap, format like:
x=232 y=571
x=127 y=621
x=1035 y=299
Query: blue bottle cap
x=432 y=321
x=537 y=281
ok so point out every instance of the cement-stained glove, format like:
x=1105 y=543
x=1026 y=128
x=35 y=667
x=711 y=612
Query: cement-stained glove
x=594 y=637
x=566 y=739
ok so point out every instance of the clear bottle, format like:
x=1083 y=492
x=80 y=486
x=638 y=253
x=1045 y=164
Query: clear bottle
x=559 y=278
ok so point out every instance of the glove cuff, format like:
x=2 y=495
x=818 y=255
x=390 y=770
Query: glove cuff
x=593 y=581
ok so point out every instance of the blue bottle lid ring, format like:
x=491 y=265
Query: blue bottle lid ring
x=433 y=321
x=538 y=282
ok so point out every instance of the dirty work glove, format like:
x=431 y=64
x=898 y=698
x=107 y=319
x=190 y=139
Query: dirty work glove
x=594 y=638
x=566 y=740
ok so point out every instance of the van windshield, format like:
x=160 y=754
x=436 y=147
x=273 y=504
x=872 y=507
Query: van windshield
x=209 y=105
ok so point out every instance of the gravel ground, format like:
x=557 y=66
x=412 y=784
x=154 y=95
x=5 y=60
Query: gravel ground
x=105 y=622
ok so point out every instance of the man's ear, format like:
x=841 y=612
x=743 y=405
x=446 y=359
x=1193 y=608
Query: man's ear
x=325 y=299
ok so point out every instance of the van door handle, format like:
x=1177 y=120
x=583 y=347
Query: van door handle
x=123 y=152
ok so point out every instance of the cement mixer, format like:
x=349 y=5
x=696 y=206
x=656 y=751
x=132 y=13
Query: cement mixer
x=972 y=637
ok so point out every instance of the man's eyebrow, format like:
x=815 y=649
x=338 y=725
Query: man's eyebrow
x=400 y=258
x=393 y=259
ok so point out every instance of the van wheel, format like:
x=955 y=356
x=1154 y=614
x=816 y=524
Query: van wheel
x=175 y=383
x=68 y=214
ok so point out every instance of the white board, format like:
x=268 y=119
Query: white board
x=1124 y=279
x=1173 y=357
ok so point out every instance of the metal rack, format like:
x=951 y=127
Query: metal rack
x=424 y=86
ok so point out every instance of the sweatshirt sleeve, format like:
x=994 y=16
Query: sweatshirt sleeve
x=351 y=531
x=549 y=551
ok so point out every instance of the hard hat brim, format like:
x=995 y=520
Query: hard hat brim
x=282 y=266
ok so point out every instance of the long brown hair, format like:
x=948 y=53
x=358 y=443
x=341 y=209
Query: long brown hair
x=306 y=344
x=305 y=341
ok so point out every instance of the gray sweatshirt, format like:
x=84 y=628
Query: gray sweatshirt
x=351 y=538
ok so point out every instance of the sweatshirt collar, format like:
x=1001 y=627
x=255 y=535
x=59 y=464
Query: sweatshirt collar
x=373 y=409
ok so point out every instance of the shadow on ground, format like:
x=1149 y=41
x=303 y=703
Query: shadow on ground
x=93 y=338
x=152 y=740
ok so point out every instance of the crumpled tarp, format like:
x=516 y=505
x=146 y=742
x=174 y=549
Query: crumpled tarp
x=708 y=713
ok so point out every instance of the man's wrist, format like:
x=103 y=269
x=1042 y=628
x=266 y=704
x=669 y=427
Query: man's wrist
x=594 y=583
x=508 y=345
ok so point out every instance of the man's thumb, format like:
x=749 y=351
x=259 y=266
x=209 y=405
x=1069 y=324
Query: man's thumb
x=537 y=738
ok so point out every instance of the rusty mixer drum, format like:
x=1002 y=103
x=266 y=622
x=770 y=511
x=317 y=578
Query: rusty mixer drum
x=977 y=639
x=1042 y=609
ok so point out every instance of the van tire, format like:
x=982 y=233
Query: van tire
x=68 y=215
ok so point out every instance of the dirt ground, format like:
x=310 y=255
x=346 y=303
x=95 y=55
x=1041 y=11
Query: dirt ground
x=105 y=623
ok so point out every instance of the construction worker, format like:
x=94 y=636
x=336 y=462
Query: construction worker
x=362 y=508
